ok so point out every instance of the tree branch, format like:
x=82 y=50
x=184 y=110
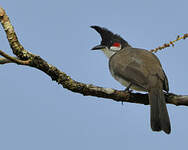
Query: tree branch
x=13 y=59
x=26 y=58
x=171 y=43
x=5 y=61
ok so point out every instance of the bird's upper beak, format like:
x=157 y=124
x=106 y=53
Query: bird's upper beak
x=98 y=47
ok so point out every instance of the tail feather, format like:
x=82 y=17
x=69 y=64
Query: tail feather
x=158 y=113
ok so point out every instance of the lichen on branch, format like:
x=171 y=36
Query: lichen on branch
x=24 y=57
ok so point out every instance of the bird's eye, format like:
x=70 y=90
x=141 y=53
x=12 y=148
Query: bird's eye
x=116 y=44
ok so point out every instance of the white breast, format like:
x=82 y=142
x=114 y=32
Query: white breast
x=126 y=83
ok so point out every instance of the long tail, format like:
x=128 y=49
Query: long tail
x=159 y=114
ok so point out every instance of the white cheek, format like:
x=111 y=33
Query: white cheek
x=115 y=48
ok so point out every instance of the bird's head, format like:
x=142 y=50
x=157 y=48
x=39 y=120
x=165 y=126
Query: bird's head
x=110 y=41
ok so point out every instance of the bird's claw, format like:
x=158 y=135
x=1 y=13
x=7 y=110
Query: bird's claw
x=128 y=88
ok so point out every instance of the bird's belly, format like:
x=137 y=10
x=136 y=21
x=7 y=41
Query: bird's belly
x=126 y=83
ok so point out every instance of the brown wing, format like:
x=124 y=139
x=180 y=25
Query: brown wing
x=137 y=66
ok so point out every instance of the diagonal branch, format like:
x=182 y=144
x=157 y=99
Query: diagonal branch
x=29 y=59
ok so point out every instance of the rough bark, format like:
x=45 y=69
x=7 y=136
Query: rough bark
x=24 y=57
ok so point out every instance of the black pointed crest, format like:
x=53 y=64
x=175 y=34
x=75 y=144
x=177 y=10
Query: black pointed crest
x=108 y=38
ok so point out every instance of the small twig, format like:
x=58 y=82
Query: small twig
x=14 y=59
x=5 y=61
x=171 y=43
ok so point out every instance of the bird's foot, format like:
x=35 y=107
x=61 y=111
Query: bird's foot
x=128 y=90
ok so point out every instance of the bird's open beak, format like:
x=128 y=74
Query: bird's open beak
x=98 y=47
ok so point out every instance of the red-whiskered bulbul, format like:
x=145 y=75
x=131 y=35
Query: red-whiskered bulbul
x=140 y=70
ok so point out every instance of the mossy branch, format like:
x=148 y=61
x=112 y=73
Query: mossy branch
x=23 y=57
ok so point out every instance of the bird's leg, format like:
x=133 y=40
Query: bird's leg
x=166 y=93
x=127 y=90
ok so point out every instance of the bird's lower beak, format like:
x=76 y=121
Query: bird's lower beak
x=98 y=47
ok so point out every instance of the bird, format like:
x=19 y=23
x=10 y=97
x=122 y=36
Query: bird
x=140 y=70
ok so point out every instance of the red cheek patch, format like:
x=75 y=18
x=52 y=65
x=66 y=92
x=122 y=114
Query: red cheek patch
x=116 y=44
